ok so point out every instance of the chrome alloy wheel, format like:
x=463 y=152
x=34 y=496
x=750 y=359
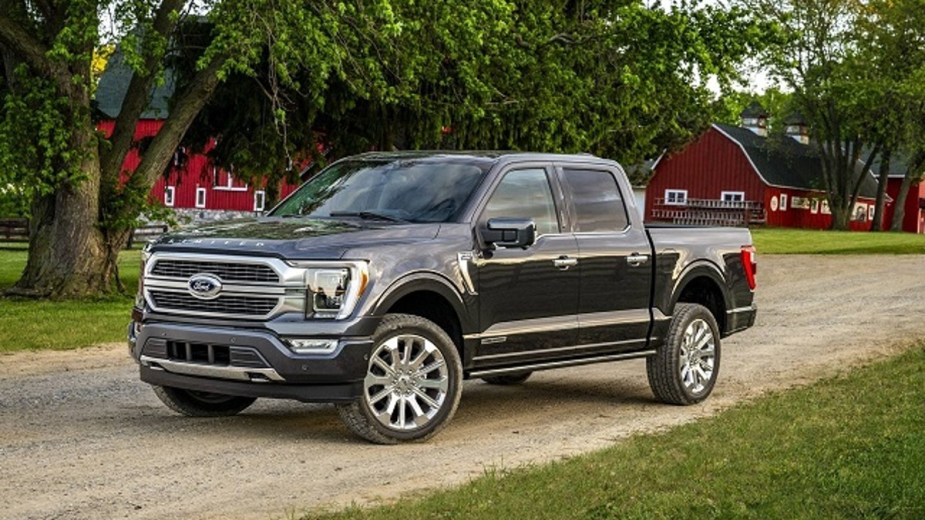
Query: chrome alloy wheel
x=407 y=382
x=698 y=356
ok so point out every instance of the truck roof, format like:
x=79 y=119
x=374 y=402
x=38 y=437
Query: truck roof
x=477 y=156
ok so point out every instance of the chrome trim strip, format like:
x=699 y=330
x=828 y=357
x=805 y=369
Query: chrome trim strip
x=556 y=349
x=750 y=308
x=570 y=321
x=603 y=319
x=533 y=325
x=175 y=285
x=193 y=369
x=560 y=364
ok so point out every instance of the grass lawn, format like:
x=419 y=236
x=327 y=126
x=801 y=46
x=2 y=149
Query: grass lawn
x=811 y=241
x=29 y=324
x=848 y=447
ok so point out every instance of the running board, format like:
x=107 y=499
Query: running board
x=560 y=364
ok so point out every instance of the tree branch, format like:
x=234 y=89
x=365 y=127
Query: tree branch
x=136 y=97
x=185 y=110
x=33 y=52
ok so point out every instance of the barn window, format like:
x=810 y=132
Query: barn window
x=676 y=197
x=783 y=202
x=260 y=199
x=731 y=197
x=169 y=193
x=200 y=197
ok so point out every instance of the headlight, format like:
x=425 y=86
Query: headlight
x=145 y=255
x=334 y=289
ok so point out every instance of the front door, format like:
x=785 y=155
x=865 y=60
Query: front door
x=528 y=298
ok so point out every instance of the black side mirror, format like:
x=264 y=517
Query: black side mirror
x=510 y=232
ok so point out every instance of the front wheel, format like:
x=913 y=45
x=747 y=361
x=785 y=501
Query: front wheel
x=412 y=386
x=684 y=370
x=201 y=404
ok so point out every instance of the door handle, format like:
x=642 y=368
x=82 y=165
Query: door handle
x=636 y=259
x=564 y=262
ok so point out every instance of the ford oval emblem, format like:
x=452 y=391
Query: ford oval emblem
x=205 y=286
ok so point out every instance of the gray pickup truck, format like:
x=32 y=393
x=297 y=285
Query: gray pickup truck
x=389 y=278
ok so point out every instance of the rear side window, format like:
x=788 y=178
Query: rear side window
x=597 y=200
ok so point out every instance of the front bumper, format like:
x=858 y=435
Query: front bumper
x=250 y=362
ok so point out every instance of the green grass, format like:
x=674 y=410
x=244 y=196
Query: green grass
x=811 y=241
x=847 y=447
x=30 y=324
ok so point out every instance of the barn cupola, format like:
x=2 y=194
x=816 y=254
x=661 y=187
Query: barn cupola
x=797 y=128
x=755 y=118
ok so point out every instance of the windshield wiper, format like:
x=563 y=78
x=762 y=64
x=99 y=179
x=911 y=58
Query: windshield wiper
x=366 y=215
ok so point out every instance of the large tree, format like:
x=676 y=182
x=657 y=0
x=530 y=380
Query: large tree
x=893 y=48
x=83 y=204
x=622 y=80
x=852 y=66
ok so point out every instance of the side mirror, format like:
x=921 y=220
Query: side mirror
x=510 y=232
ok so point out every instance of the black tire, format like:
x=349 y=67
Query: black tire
x=664 y=369
x=508 y=379
x=407 y=332
x=201 y=404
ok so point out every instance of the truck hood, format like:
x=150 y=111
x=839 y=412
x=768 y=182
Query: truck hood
x=292 y=238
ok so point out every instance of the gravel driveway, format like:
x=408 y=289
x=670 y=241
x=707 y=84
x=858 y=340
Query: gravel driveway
x=81 y=437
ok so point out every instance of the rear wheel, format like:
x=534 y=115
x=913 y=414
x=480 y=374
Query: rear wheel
x=412 y=385
x=684 y=370
x=201 y=404
x=508 y=379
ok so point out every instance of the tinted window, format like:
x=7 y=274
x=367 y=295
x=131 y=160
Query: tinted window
x=597 y=201
x=524 y=194
x=412 y=190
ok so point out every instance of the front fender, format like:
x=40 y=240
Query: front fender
x=426 y=281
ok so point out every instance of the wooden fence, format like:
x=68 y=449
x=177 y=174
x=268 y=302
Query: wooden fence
x=16 y=230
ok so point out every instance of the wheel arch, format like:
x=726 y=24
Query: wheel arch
x=432 y=297
x=703 y=283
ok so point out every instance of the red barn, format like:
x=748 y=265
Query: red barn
x=737 y=176
x=193 y=183
x=914 y=215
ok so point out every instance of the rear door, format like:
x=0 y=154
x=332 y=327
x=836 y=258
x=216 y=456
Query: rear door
x=528 y=298
x=614 y=259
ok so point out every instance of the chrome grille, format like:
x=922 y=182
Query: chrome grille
x=237 y=305
x=228 y=272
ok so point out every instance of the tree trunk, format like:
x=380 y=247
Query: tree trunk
x=67 y=255
x=272 y=192
x=841 y=217
x=899 y=214
x=876 y=224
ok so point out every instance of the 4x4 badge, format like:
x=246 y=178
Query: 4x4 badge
x=205 y=286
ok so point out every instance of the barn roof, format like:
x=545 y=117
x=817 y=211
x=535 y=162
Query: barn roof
x=110 y=91
x=899 y=163
x=786 y=163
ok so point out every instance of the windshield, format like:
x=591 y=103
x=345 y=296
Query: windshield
x=396 y=190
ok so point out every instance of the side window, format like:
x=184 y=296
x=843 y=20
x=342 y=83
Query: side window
x=676 y=197
x=597 y=200
x=524 y=194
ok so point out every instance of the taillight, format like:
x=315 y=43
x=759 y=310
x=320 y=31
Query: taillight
x=750 y=264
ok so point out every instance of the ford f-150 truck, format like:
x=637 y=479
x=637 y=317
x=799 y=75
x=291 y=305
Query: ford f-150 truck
x=389 y=278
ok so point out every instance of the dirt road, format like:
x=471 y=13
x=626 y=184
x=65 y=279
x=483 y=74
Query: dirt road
x=81 y=437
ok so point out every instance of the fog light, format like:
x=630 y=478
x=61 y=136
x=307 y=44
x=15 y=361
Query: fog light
x=312 y=346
